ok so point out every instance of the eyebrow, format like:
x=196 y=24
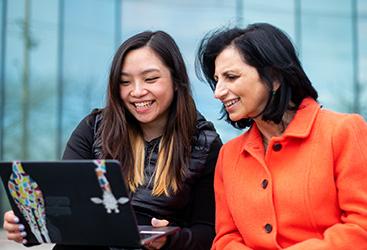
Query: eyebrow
x=143 y=72
x=230 y=71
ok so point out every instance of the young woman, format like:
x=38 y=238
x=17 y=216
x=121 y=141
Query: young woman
x=167 y=149
x=297 y=178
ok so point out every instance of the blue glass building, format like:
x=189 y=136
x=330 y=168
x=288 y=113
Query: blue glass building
x=55 y=57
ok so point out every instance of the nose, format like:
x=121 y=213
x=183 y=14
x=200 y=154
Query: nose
x=138 y=90
x=220 y=90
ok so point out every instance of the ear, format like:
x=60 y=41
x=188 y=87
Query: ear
x=276 y=85
x=272 y=77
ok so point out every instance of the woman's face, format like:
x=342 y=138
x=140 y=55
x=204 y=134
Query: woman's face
x=239 y=86
x=146 y=87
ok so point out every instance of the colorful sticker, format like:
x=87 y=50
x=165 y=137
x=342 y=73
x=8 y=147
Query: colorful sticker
x=108 y=199
x=29 y=199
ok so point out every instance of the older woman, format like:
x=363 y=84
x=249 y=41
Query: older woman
x=297 y=178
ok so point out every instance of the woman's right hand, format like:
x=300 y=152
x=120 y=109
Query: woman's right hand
x=14 y=231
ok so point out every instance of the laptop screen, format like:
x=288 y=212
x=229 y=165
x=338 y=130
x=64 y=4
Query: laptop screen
x=79 y=202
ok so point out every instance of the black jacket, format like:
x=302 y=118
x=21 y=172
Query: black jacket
x=192 y=208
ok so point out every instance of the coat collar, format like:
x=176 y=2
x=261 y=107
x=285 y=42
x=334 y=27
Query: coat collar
x=300 y=126
x=304 y=119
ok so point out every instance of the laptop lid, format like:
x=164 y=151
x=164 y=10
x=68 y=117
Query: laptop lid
x=76 y=202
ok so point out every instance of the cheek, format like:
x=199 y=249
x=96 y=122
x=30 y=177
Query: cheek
x=262 y=96
x=167 y=95
x=170 y=98
x=123 y=94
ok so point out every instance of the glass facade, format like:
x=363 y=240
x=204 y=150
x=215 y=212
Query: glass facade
x=55 y=57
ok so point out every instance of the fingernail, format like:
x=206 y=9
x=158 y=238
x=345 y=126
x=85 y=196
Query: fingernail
x=24 y=241
x=23 y=234
x=16 y=219
x=21 y=227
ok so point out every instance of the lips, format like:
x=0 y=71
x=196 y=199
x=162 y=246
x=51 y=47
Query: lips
x=230 y=103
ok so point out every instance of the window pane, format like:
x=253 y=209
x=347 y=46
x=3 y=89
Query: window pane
x=30 y=80
x=14 y=69
x=43 y=80
x=279 y=13
x=362 y=49
x=327 y=50
x=88 y=50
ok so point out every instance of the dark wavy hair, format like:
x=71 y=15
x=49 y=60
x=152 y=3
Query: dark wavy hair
x=119 y=128
x=271 y=52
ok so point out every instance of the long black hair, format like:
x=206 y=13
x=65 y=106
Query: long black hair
x=122 y=137
x=271 y=52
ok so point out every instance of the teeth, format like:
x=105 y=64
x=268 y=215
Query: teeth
x=230 y=103
x=143 y=104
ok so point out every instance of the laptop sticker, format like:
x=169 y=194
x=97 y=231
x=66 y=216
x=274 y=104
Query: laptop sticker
x=108 y=199
x=29 y=199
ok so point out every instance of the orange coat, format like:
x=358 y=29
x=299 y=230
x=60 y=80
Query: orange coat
x=308 y=191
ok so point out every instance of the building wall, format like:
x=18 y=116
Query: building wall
x=56 y=54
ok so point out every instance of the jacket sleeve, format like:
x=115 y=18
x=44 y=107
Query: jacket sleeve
x=200 y=232
x=80 y=143
x=350 y=159
x=227 y=236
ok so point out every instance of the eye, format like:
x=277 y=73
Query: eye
x=231 y=77
x=124 y=82
x=152 y=79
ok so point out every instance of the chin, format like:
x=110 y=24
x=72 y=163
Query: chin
x=142 y=118
x=144 y=121
x=236 y=117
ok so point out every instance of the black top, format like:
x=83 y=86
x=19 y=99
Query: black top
x=192 y=208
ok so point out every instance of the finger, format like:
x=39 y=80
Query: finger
x=14 y=231
x=158 y=243
x=10 y=224
x=18 y=237
x=13 y=228
x=159 y=223
x=10 y=217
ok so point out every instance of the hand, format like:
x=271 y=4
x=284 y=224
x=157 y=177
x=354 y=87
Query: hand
x=158 y=243
x=14 y=231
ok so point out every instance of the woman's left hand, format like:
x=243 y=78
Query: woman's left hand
x=158 y=243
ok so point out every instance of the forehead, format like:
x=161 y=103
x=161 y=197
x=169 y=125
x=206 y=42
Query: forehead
x=142 y=59
x=229 y=59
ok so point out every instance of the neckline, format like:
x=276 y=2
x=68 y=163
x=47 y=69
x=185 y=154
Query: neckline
x=153 y=141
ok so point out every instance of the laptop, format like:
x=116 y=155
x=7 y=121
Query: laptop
x=75 y=202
